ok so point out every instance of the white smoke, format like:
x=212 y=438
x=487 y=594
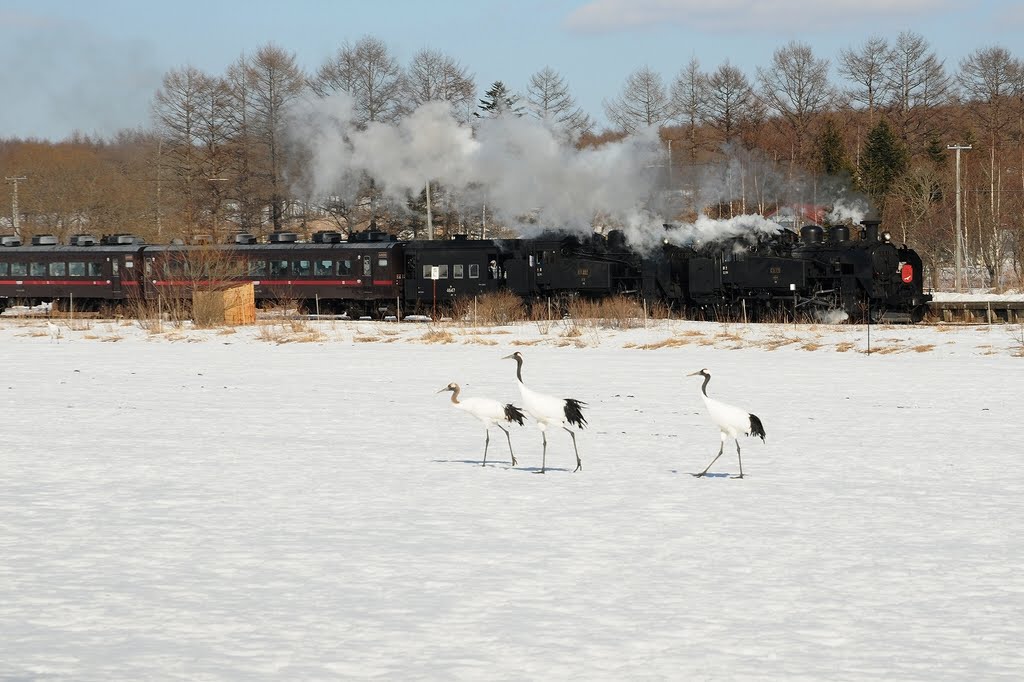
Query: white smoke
x=852 y=210
x=523 y=171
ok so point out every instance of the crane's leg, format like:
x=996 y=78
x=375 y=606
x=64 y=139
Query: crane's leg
x=579 y=462
x=509 y=438
x=740 y=457
x=720 y=448
x=486 y=443
x=544 y=455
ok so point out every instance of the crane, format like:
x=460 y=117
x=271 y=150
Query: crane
x=548 y=410
x=490 y=412
x=731 y=421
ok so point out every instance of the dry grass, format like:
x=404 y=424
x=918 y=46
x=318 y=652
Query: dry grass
x=434 y=335
x=572 y=331
x=499 y=308
x=776 y=342
x=289 y=331
x=617 y=312
x=844 y=346
x=670 y=342
x=924 y=348
x=479 y=341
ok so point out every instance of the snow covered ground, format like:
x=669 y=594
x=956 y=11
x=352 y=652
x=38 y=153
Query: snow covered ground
x=294 y=501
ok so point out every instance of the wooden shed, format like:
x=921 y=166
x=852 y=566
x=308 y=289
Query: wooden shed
x=236 y=305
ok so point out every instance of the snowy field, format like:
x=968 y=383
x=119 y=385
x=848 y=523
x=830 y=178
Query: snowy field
x=293 y=501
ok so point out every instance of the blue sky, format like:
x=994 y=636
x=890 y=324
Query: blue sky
x=94 y=65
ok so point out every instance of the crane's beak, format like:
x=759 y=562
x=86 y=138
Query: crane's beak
x=693 y=374
x=444 y=389
x=510 y=357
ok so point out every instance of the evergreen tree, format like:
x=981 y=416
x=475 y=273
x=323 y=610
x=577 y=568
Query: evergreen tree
x=884 y=161
x=831 y=152
x=498 y=100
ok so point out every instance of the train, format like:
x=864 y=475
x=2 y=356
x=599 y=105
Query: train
x=859 y=275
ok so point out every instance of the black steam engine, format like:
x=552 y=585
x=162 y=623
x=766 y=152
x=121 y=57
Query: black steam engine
x=814 y=273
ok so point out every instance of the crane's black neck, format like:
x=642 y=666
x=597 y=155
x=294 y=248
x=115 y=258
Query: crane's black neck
x=704 y=386
x=519 y=367
x=455 y=395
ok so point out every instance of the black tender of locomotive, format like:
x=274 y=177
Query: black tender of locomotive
x=374 y=274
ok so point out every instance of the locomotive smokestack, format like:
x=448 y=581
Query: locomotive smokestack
x=870 y=229
x=811 y=234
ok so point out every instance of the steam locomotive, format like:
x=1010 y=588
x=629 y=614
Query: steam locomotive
x=372 y=273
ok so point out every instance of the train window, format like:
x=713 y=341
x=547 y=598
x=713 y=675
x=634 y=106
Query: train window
x=382 y=262
x=257 y=268
x=457 y=270
x=278 y=268
x=345 y=267
x=426 y=271
x=3 y=269
x=94 y=269
x=474 y=271
x=37 y=269
x=323 y=268
x=76 y=269
x=58 y=269
x=443 y=272
x=301 y=268
x=19 y=268
x=366 y=266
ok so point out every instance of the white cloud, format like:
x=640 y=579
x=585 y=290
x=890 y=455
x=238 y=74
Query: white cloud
x=612 y=15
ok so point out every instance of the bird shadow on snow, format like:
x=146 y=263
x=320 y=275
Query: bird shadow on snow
x=496 y=465
x=707 y=475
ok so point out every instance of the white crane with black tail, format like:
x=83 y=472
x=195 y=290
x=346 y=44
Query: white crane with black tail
x=490 y=412
x=548 y=410
x=731 y=421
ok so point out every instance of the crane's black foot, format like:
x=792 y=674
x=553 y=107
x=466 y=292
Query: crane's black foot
x=740 y=476
x=514 y=462
x=539 y=472
x=699 y=475
x=579 y=466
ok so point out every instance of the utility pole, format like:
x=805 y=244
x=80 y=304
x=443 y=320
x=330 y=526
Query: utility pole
x=14 y=204
x=958 y=258
x=430 y=220
x=670 y=178
x=159 y=156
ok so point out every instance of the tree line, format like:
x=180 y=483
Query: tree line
x=217 y=156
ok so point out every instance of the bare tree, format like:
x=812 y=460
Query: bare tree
x=796 y=87
x=275 y=82
x=918 y=85
x=730 y=101
x=689 y=102
x=433 y=75
x=370 y=74
x=179 y=108
x=990 y=80
x=867 y=68
x=643 y=102
x=548 y=98
x=244 y=150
